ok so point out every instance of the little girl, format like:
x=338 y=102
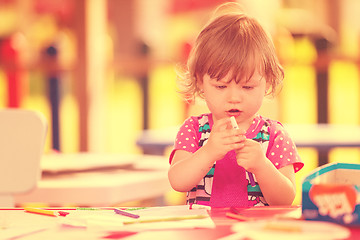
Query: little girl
x=233 y=65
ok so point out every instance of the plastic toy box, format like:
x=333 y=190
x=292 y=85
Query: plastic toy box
x=332 y=193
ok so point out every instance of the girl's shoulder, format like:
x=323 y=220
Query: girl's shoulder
x=198 y=121
x=273 y=125
x=275 y=128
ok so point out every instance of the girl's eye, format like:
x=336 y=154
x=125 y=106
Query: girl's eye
x=220 y=86
x=248 y=87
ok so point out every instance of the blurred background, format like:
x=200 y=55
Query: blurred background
x=102 y=71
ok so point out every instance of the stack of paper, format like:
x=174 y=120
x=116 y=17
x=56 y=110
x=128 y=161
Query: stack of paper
x=154 y=218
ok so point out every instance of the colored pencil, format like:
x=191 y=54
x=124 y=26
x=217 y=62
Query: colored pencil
x=124 y=213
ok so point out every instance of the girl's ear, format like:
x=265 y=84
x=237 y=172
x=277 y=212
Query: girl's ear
x=199 y=83
x=268 y=86
x=200 y=86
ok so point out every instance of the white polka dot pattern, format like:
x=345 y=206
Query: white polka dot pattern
x=282 y=151
x=186 y=137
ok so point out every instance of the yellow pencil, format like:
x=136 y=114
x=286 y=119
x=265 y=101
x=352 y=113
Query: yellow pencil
x=41 y=211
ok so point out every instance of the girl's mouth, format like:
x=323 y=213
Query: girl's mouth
x=234 y=112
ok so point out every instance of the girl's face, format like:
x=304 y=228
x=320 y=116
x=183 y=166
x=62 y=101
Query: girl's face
x=226 y=98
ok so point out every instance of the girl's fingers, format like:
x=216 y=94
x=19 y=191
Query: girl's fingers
x=222 y=124
x=237 y=146
x=234 y=139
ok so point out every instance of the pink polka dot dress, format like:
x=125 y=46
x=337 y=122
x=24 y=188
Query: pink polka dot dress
x=227 y=184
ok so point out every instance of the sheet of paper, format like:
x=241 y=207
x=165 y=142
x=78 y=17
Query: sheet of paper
x=287 y=229
x=16 y=233
x=293 y=214
x=160 y=217
x=15 y=224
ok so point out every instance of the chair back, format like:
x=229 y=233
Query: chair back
x=22 y=138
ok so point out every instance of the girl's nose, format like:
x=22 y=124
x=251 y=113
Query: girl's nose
x=235 y=95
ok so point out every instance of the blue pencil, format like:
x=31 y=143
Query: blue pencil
x=251 y=178
x=127 y=214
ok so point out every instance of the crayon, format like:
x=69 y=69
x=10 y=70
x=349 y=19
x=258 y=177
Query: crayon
x=127 y=214
x=45 y=212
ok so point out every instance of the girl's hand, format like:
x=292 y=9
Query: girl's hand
x=223 y=138
x=277 y=185
x=251 y=156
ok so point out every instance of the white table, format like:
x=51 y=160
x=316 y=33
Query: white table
x=324 y=136
x=118 y=179
x=18 y=224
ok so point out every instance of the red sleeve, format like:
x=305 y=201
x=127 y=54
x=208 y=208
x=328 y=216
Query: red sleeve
x=187 y=138
x=282 y=150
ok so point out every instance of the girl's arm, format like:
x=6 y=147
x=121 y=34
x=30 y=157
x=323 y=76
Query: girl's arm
x=277 y=185
x=187 y=169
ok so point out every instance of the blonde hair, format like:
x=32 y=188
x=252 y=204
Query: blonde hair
x=231 y=41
